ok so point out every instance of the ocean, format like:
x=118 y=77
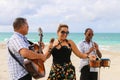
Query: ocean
x=106 y=41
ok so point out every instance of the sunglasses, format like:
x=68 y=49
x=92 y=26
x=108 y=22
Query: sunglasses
x=63 y=32
x=90 y=34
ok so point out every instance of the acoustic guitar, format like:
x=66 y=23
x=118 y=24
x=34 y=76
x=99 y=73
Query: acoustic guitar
x=36 y=67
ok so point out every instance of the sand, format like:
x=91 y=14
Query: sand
x=105 y=73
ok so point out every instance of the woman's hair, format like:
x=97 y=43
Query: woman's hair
x=61 y=26
x=18 y=23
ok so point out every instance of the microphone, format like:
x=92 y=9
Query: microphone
x=52 y=40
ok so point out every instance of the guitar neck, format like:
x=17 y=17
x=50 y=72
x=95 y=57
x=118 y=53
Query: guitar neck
x=40 y=46
x=41 y=35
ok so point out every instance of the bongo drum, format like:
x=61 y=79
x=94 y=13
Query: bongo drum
x=94 y=63
x=105 y=62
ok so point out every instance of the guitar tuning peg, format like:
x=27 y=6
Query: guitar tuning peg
x=40 y=31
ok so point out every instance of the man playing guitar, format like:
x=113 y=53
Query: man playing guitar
x=19 y=46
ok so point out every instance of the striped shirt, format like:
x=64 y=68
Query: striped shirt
x=15 y=43
x=84 y=47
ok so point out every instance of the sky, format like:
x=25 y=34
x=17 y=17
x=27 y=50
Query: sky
x=103 y=16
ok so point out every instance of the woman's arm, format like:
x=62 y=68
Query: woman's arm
x=49 y=48
x=48 y=52
x=78 y=53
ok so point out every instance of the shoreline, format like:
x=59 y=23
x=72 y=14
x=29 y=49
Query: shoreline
x=113 y=48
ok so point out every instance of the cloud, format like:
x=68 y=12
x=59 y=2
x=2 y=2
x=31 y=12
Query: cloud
x=49 y=13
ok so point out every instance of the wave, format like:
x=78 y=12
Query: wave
x=115 y=48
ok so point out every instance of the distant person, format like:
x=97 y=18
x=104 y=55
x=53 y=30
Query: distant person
x=19 y=46
x=61 y=49
x=88 y=73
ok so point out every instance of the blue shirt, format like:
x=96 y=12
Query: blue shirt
x=15 y=43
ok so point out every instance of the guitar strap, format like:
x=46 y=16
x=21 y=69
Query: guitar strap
x=13 y=55
x=16 y=59
x=31 y=43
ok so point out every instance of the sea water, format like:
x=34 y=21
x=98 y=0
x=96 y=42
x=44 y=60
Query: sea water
x=106 y=41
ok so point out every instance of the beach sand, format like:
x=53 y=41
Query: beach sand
x=106 y=73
